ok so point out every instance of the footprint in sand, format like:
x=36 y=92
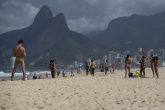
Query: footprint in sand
x=53 y=96
x=8 y=94
x=40 y=107
x=162 y=101
x=34 y=103
x=3 y=108
x=117 y=102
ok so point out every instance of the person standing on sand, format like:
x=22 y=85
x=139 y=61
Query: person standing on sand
x=52 y=68
x=142 y=66
x=106 y=67
x=156 y=66
x=19 y=52
x=92 y=67
x=152 y=65
x=128 y=63
x=87 y=68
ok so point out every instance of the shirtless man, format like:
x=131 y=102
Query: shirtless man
x=142 y=66
x=19 y=52
x=128 y=63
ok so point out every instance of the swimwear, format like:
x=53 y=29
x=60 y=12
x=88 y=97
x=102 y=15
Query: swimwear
x=19 y=61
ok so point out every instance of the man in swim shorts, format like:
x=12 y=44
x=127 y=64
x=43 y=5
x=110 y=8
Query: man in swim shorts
x=19 y=52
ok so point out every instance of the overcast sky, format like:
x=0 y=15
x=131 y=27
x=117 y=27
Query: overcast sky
x=81 y=15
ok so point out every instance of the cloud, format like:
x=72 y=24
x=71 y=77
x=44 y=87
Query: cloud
x=84 y=25
x=16 y=15
x=81 y=15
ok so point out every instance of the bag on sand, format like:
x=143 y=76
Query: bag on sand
x=130 y=75
x=137 y=75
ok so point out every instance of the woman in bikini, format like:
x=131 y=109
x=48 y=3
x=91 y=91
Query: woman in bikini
x=128 y=63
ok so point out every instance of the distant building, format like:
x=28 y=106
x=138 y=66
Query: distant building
x=111 y=57
x=161 y=54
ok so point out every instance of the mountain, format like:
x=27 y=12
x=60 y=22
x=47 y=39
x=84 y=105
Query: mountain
x=49 y=37
x=132 y=32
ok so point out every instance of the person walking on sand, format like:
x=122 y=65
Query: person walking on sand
x=128 y=63
x=156 y=66
x=52 y=68
x=92 y=67
x=106 y=67
x=142 y=66
x=19 y=52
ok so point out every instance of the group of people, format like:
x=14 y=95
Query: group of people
x=90 y=67
x=19 y=52
x=154 y=62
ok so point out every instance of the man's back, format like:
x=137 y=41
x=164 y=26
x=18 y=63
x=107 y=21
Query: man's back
x=19 y=52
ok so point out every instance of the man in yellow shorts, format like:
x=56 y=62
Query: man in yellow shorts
x=19 y=52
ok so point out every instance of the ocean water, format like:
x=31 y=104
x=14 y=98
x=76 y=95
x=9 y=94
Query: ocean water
x=7 y=74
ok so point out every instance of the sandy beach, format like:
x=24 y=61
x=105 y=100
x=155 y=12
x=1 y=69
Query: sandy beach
x=111 y=92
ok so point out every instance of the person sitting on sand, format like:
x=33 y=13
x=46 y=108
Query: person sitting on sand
x=106 y=67
x=128 y=63
x=52 y=68
x=142 y=66
x=152 y=59
x=156 y=66
x=19 y=52
x=92 y=67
